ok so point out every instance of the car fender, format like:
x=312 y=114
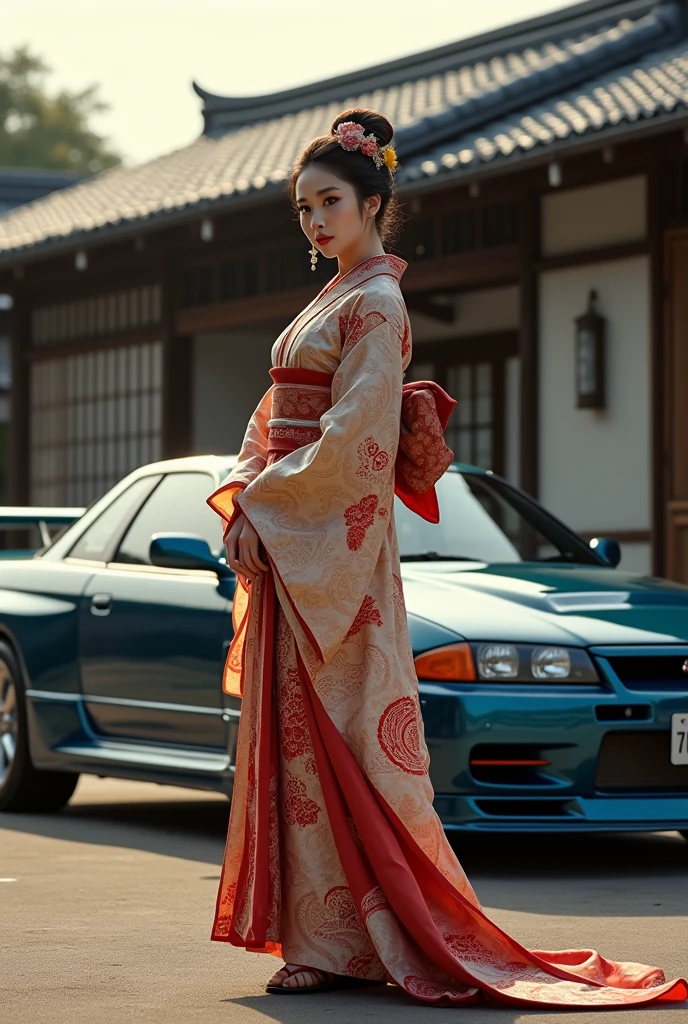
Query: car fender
x=42 y=632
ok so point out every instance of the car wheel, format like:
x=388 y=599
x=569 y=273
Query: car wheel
x=22 y=787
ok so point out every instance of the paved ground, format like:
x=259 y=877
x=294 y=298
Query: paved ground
x=105 y=912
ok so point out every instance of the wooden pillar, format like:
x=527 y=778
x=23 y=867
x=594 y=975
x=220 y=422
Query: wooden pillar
x=177 y=375
x=528 y=343
x=20 y=399
x=658 y=296
x=177 y=396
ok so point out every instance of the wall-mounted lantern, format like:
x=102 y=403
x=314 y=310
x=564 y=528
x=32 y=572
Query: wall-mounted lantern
x=590 y=357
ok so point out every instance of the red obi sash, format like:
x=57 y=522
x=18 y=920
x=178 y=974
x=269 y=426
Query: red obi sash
x=301 y=397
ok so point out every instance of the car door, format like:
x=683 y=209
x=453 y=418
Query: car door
x=153 y=640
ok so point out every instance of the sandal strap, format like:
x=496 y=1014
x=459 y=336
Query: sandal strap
x=305 y=970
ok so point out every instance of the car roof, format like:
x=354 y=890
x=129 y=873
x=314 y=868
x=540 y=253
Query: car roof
x=217 y=463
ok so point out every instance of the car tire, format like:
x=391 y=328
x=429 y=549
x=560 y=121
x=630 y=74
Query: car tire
x=22 y=787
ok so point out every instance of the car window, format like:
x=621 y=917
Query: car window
x=483 y=518
x=101 y=537
x=178 y=505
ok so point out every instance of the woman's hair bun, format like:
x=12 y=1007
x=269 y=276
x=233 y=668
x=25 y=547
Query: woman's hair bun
x=374 y=123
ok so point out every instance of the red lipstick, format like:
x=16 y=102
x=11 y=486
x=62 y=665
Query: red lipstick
x=323 y=239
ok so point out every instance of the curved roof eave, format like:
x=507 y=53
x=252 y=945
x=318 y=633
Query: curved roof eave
x=414 y=180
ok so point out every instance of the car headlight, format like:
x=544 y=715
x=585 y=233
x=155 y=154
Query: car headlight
x=508 y=663
x=497 y=661
x=550 y=663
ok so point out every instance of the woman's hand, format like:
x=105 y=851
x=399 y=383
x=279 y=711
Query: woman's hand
x=243 y=547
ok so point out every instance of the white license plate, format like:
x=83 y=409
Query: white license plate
x=679 y=738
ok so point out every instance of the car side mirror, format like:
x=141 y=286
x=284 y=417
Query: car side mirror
x=607 y=549
x=185 y=551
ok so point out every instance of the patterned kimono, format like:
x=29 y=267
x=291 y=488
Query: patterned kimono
x=335 y=857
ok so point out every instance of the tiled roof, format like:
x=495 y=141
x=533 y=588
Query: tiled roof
x=534 y=87
x=654 y=87
x=21 y=185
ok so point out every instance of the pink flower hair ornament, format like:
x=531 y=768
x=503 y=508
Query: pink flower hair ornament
x=351 y=136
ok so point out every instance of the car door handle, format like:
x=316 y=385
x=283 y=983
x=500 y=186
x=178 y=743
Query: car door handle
x=101 y=604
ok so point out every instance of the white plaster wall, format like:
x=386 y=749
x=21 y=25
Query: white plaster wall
x=583 y=218
x=484 y=311
x=230 y=371
x=595 y=466
x=636 y=558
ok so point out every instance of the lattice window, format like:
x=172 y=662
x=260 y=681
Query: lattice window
x=103 y=314
x=470 y=434
x=95 y=416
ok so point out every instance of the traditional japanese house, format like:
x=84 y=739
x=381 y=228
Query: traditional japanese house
x=17 y=185
x=544 y=171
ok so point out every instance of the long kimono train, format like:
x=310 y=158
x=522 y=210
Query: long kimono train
x=335 y=857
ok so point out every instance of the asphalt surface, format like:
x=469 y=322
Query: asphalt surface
x=106 y=908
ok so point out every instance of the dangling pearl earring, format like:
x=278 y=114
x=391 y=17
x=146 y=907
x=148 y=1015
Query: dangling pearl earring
x=314 y=256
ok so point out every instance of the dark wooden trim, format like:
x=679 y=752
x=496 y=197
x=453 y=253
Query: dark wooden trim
x=673 y=453
x=418 y=302
x=75 y=286
x=144 y=336
x=177 y=412
x=253 y=309
x=463 y=270
x=20 y=402
x=177 y=373
x=529 y=344
x=460 y=271
x=604 y=254
x=622 y=536
x=468 y=348
x=657 y=359
x=499 y=416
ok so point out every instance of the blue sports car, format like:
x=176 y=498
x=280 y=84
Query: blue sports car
x=554 y=686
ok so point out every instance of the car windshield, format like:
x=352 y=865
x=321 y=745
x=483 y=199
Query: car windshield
x=483 y=519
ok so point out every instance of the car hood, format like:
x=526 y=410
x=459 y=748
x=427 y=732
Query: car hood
x=535 y=603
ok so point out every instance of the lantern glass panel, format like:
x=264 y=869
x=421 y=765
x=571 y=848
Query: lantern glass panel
x=587 y=362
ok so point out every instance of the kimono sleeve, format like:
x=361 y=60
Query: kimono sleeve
x=323 y=512
x=250 y=464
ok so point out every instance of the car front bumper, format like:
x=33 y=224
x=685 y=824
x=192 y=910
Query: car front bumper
x=599 y=757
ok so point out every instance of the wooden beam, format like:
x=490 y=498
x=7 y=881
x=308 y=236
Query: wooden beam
x=529 y=347
x=177 y=373
x=479 y=268
x=140 y=336
x=20 y=401
x=658 y=467
x=252 y=310
x=460 y=271
x=177 y=416
x=424 y=304
x=603 y=254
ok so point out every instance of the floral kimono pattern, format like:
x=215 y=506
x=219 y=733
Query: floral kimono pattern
x=335 y=857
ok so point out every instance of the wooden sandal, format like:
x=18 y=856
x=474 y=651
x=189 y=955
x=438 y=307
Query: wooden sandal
x=289 y=990
x=331 y=981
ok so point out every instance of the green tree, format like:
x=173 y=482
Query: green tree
x=40 y=130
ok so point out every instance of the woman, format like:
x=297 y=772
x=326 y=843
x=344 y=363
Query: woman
x=335 y=858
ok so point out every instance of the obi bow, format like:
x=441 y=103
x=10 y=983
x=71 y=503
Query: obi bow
x=423 y=455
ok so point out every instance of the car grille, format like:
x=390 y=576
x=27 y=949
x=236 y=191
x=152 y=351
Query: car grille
x=639 y=761
x=644 y=672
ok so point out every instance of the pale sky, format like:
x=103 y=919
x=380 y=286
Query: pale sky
x=144 y=54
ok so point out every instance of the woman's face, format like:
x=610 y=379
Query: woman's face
x=329 y=211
